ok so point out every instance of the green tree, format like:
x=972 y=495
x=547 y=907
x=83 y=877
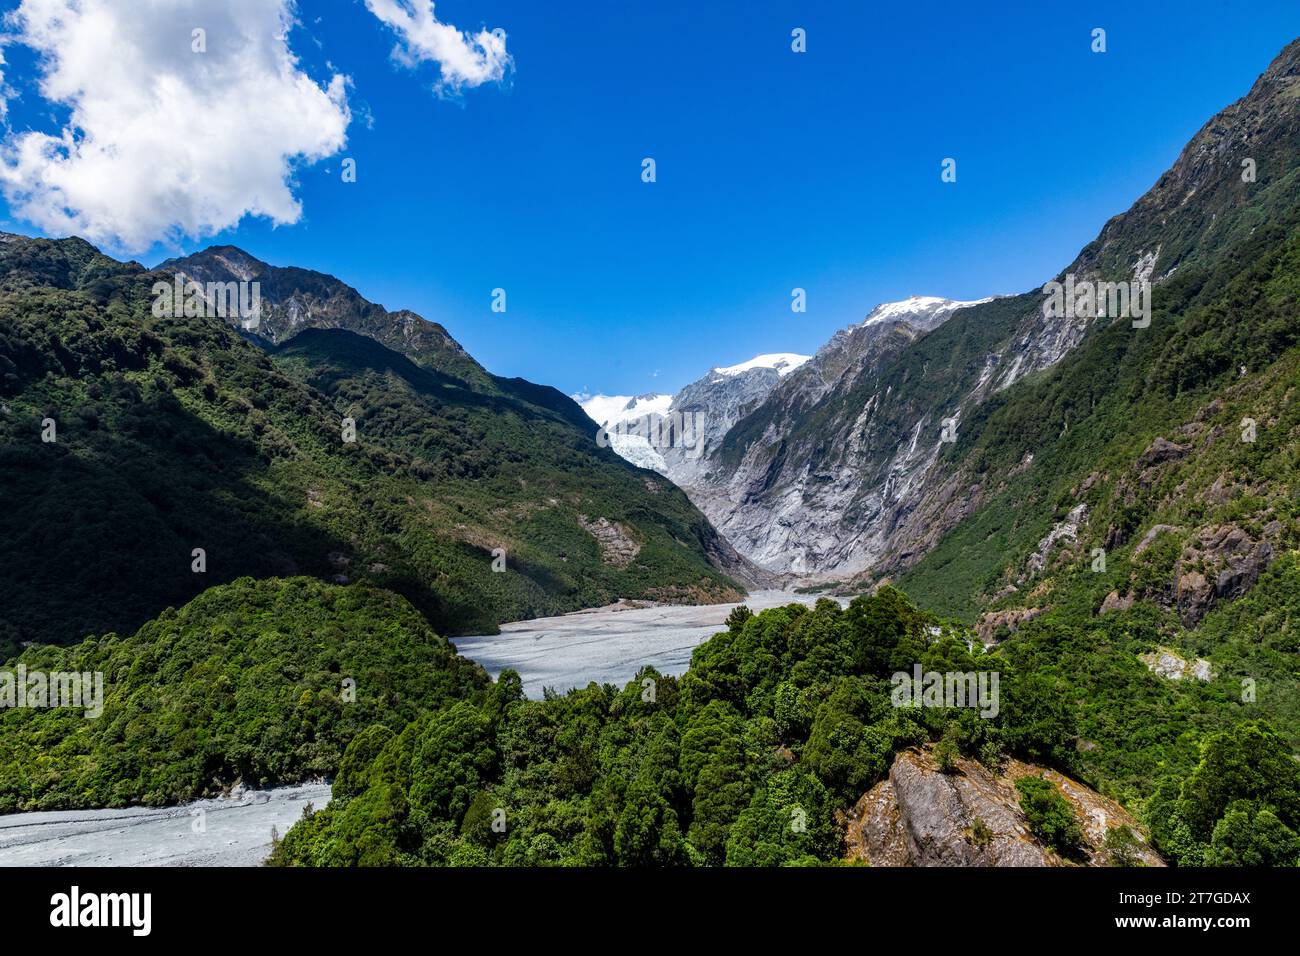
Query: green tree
x=1249 y=835
x=452 y=762
x=1050 y=815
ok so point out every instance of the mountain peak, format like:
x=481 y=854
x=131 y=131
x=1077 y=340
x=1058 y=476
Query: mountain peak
x=783 y=363
x=293 y=299
x=923 y=311
x=1286 y=63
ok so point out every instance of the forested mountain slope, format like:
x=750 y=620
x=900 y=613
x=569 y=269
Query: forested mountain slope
x=128 y=440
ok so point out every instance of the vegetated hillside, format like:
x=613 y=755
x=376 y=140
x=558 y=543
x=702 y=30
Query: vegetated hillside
x=176 y=434
x=857 y=477
x=1145 y=443
x=294 y=299
x=261 y=681
x=761 y=754
x=1128 y=515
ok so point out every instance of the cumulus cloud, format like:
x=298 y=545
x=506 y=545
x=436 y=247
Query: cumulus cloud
x=464 y=59
x=162 y=141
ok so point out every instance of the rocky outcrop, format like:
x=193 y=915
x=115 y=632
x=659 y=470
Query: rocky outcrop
x=1066 y=530
x=1149 y=538
x=293 y=299
x=1160 y=451
x=1114 y=602
x=1221 y=563
x=1170 y=664
x=921 y=816
x=615 y=541
x=1011 y=618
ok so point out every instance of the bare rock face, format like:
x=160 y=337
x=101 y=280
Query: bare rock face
x=1114 y=602
x=1066 y=530
x=988 y=625
x=1160 y=451
x=1222 y=563
x=921 y=816
x=1169 y=663
x=615 y=542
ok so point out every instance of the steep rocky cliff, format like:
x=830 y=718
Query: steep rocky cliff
x=806 y=482
x=862 y=459
x=971 y=816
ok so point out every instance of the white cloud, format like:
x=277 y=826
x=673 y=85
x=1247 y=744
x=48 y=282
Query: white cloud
x=163 y=142
x=465 y=60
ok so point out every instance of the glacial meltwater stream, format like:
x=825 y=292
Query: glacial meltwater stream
x=604 y=645
x=607 y=645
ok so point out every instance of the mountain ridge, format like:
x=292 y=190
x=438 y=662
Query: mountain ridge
x=853 y=470
x=192 y=437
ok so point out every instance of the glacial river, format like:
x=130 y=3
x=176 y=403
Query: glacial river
x=605 y=645
x=223 y=831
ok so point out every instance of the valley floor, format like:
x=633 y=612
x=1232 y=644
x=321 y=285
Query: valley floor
x=236 y=831
x=604 y=645
x=608 y=645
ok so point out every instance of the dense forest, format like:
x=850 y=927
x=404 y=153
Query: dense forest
x=259 y=681
x=785 y=715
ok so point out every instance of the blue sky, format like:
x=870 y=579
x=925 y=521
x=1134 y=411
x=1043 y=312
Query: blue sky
x=774 y=169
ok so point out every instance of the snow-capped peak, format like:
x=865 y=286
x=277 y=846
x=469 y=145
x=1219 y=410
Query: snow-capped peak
x=932 y=309
x=783 y=362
